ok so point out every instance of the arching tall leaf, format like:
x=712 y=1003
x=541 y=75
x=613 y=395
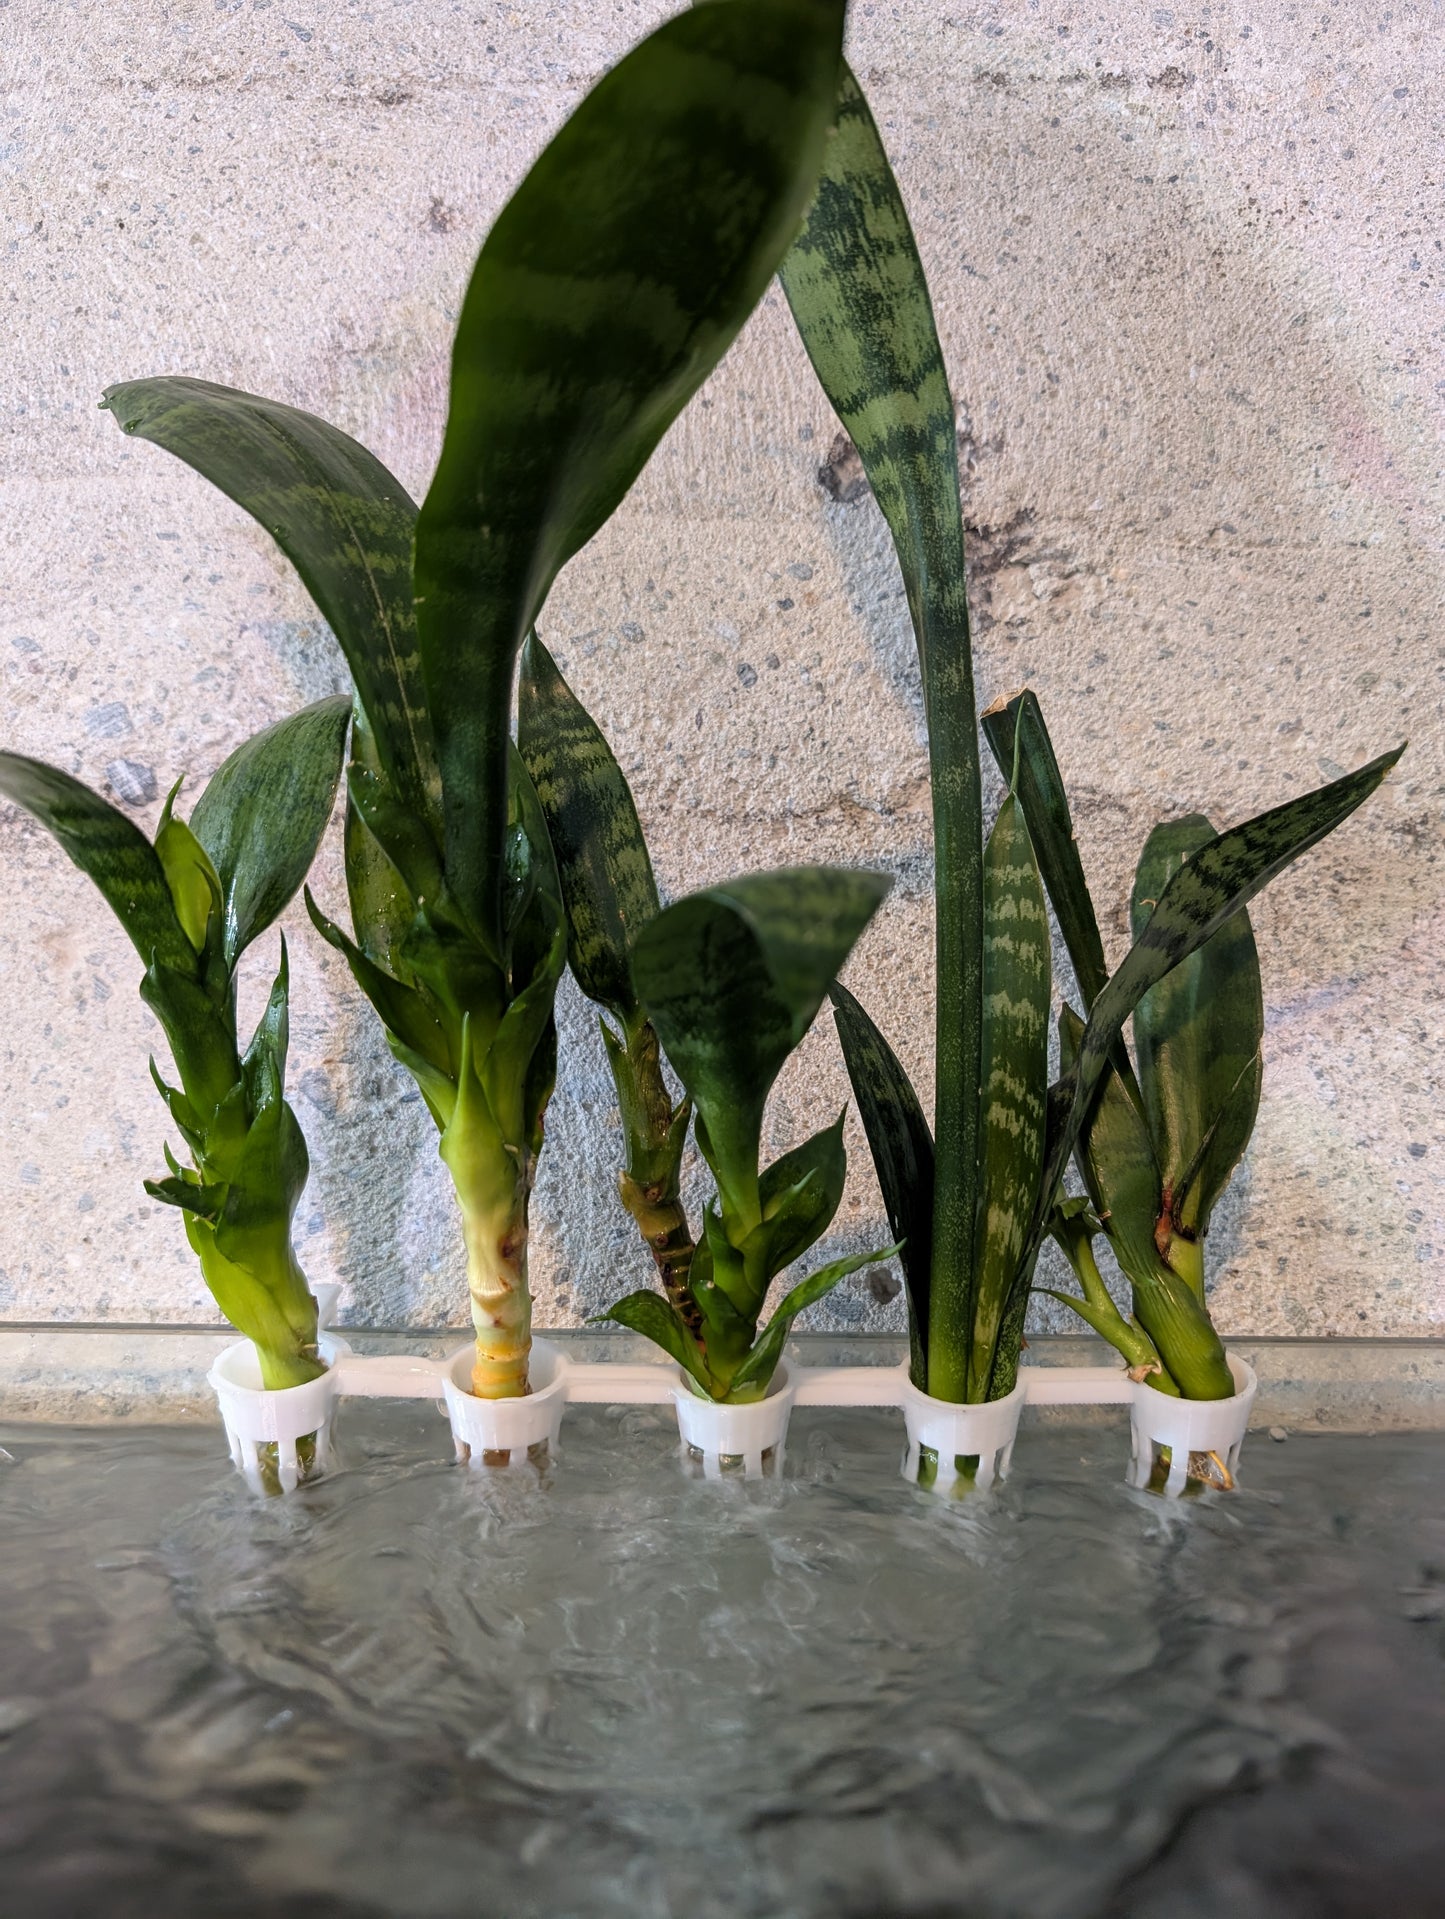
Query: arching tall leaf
x=610 y=286
x=858 y=293
x=344 y=522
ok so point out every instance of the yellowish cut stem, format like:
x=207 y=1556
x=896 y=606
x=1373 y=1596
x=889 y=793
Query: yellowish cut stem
x=496 y=1242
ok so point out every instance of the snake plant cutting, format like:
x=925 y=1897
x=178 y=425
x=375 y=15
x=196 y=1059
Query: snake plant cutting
x=973 y=1197
x=1163 y=1137
x=608 y=289
x=725 y=982
x=191 y=903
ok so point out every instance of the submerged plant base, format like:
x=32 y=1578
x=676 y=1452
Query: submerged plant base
x=952 y=1448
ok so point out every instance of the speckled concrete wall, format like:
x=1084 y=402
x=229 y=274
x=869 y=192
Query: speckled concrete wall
x=1188 y=275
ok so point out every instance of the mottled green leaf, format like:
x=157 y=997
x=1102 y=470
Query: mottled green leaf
x=404 y=1011
x=602 y=859
x=108 y=849
x=650 y=1315
x=1116 y=1158
x=1017 y=980
x=799 y=1193
x=1024 y=752
x=608 y=289
x=860 y=299
x=1219 y=880
x=762 y=1362
x=1198 y=1035
x=732 y=977
x=262 y=815
x=902 y=1149
x=343 y=521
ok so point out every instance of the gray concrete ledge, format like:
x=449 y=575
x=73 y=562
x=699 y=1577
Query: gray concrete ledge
x=97 y=1375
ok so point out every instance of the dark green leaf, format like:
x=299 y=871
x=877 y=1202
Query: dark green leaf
x=1116 y=1158
x=1019 y=723
x=902 y=1149
x=650 y=1315
x=109 y=850
x=762 y=1362
x=206 y=1202
x=602 y=860
x=732 y=977
x=271 y=1037
x=609 y=288
x=799 y=1193
x=1211 y=888
x=967 y=1318
x=1198 y=1035
x=860 y=299
x=263 y=813
x=404 y=1012
x=382 y=907
x=342 y=520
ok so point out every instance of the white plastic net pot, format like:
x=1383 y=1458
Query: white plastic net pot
x=499 y=1432
x=722 y=1432
x=254 y=1418
x=953 y=1432
x=1186 y=1426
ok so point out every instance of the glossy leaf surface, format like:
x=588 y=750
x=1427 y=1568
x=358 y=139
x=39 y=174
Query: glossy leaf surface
x=1219 y=880
x=338 y=515
x=610 y=286
x=602 y=859
x=732 y=977
x=1198 y=1035
x=902 y=1150
x=860 y=300
x=109 y=849
x=263 y=812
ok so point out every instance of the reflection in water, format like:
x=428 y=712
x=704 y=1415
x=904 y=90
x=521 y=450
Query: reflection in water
x=613 y=1689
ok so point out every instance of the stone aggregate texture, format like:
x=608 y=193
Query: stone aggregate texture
x=1187 y=264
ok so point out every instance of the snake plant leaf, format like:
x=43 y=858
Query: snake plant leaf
x=343 y=521
x=406 y=1013
x=602 y=858
x=650 y=1315
x=195 y=886
x=1210 y=888
x=732 y=978
x=207 y=1202
x=858 y=294
x=762 y=1362
x=1017 y=981
x=800 y=1193
x=1198 y=1035
x=533 y=893
x=262 y=815
x=109 y=849
x=609 y=288
x=271 y=1038
x=382 y=906
x=902 y=1150
x=1115 y=1156
x=1021 y=746
x=269 y=1176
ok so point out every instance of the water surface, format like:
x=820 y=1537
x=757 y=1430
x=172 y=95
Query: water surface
x=611 y=1688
